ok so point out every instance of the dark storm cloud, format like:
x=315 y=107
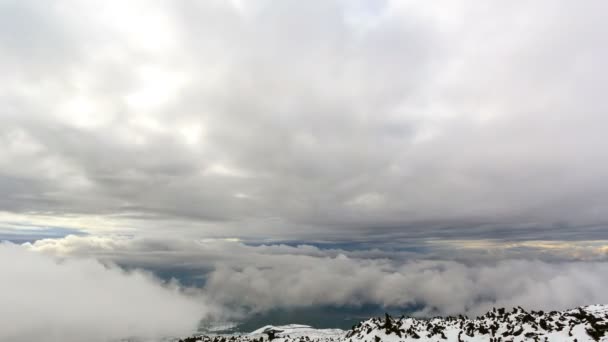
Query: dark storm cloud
x=307 y=119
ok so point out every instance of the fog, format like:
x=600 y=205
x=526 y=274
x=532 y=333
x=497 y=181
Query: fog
x=45 y=299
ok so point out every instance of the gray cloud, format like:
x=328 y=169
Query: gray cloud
x=447 y=156
x=77 y=300
x=242 y=279
x=305 y=118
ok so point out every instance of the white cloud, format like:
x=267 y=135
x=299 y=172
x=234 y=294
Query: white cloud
x=240 y=277
x=44 y=299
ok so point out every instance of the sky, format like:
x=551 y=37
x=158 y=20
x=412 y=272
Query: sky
x=235 y=157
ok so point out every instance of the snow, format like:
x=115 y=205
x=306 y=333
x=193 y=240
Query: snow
x=298 y=330
x=516 y=325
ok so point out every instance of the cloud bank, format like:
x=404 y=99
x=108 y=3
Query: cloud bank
x=244 y=279
x=44 y=299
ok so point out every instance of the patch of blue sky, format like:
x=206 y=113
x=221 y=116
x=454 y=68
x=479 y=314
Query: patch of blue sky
x=22 y=233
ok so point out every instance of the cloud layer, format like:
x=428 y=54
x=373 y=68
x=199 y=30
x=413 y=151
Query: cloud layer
x=293 y=118
x=82 y=300
x=244 y=279
x=438 y=146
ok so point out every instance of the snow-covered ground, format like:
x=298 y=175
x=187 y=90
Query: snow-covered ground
x=298 y=330
x=589 y=323
x=583 y=324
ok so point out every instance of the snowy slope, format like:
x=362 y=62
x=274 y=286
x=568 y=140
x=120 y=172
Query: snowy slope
x=583 y=324
x=589 y=323
x=298 y=330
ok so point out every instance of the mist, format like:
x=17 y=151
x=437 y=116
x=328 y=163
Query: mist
x=46 y=299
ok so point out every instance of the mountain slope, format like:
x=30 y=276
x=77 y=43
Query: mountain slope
x=297 y=330
x=583 y=324
x=589 y=323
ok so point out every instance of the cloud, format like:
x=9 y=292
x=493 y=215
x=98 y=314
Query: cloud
x=77 y=300
x=317 y=117
x=439 y=287
x=243 y=279
x=431 y=149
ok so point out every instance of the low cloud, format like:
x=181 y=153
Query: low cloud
x=244 y=279
x=440 y=287
x=44 y=299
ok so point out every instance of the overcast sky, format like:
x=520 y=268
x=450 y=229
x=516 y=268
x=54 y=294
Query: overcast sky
x=266 y=119
x=460 y=130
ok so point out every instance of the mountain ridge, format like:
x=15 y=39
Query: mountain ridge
x=586 y=323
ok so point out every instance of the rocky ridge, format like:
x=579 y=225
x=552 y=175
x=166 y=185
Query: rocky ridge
x=588 y=323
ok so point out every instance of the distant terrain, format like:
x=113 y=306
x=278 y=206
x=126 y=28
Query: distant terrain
x=588 y=323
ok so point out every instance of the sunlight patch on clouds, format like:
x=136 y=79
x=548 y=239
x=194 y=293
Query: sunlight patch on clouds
x=578 y=250
x=191 y=133
x=145 y=27
x=156 y=86
x=97 y=223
